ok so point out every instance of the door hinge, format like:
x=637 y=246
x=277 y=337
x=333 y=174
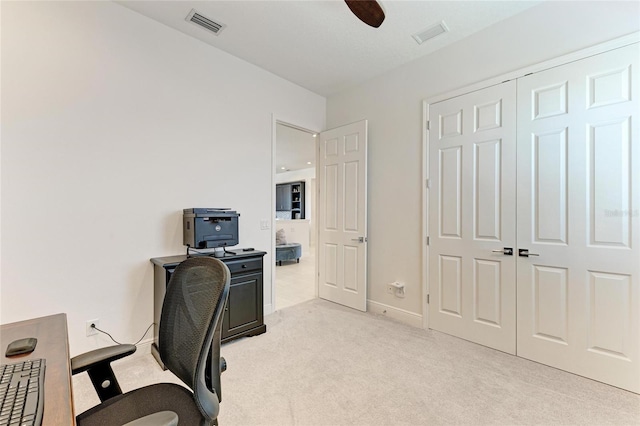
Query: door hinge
x=427 y=299
x=428 y=240
x=428 y=124
x=427 y=183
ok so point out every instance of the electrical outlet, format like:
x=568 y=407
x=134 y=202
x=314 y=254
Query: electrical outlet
x=90 y=330
x=396 y=288
x=264 y=224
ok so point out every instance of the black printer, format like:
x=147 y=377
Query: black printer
x=210 y=227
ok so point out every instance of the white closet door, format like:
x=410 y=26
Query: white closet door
x=472 y=216
x=579 y=212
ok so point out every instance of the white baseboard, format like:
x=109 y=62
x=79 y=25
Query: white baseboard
x=400 y=315
x=267 y=309
x=144 y=348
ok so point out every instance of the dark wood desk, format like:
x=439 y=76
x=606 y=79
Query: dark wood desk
x=53 y=345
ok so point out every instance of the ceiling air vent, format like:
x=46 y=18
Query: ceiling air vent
x=431 y=32
x=204 y=22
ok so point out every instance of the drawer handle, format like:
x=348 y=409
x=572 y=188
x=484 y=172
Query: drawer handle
x=244 y=266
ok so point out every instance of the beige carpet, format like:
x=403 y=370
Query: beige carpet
x=323 y=364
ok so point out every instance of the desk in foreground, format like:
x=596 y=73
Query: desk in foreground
x=53 y=345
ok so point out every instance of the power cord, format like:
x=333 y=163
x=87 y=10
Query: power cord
x=111 y=337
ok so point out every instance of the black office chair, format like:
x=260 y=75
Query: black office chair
x=189 y=346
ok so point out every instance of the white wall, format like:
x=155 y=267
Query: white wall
x=111 y=125
x=393 y=105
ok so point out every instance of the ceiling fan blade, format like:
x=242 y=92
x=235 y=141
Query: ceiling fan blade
x=368 y=11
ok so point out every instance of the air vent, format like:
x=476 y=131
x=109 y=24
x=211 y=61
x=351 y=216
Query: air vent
x=204 y=22
x=431 y=32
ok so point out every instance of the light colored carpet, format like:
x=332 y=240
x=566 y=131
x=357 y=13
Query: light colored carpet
x=323 y=364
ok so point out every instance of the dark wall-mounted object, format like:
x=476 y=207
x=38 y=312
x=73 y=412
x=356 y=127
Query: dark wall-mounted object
x=283 y=197
x=290 y=197
x=209 y=227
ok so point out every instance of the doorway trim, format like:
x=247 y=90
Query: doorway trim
x=560 y=60
x=275 y=120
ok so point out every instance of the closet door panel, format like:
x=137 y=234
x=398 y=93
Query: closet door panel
x=472 y=217
x=578 y=172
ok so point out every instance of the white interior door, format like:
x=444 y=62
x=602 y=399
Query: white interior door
x=472 y=155
x=342 y=215
x=579 y=213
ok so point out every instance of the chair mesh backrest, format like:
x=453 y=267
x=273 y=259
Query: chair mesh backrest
x=192 y=304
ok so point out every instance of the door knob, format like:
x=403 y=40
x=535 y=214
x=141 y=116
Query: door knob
x=359 y=239
x=507 y=251
x=525 y=253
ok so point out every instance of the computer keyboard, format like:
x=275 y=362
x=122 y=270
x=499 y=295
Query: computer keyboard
x=22 y=393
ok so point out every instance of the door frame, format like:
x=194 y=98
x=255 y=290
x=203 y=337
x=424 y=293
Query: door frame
x=561 y=60
x=275 y=120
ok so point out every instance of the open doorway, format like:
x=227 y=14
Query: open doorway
x=295 y=210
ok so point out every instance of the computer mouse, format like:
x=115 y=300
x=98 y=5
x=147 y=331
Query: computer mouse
x=21 y=346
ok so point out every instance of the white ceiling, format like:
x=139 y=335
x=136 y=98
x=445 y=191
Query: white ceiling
x=295 y=149
x=321 y=45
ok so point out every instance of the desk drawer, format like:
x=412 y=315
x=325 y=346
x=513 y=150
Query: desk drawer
x=241 y=266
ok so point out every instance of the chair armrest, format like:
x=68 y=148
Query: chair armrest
x=97 y=364
x=88 y=360
x=161 y=418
